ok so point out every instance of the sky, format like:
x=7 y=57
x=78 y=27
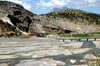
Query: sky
x=44 y=6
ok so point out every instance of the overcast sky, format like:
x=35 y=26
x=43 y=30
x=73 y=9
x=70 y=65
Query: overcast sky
x=44 y=6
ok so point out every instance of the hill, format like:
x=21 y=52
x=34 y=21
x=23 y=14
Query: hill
x=57 y=9
x=76 y=16
x=24 y=21
x=18 y=21
x=77 y=21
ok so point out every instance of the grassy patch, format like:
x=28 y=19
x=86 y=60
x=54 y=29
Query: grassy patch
x=11 y=27
x=75 y=35
x=26 y=23
x=81 y=35
x=95 y=33
x=22 y=36
x=64 y=35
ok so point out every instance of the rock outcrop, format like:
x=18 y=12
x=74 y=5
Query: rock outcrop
x=25 y=21
x=17 y=15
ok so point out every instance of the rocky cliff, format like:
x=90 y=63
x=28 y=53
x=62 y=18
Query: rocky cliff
x=18 y=16
x=25 y=21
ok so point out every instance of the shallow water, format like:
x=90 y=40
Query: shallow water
x=78 y=57
x=62 y=57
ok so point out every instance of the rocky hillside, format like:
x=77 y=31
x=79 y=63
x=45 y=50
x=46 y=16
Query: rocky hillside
x=76 y=16
x=19 y=16
x=7 y=30
x=76 y=20
x=23 y=22
x=26 y=22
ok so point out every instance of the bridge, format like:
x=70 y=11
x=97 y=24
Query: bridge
x=77 y=39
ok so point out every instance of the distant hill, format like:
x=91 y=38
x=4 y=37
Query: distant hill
x=57 y=9
x=76 y=16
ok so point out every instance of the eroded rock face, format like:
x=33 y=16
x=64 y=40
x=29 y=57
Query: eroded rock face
x=47 y=23
x=77 y=27
x=38 y=28
x=22 y=22
x=14 y=9
x=25 y=20
x=19 y=16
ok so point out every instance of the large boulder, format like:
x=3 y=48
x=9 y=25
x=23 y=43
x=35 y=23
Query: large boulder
x=36 y=28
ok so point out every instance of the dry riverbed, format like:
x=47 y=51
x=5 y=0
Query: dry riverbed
x=47 y=52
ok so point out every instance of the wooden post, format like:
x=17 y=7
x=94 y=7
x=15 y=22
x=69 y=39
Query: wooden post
x=94 y=39
x=63 y=40
x=87 y=39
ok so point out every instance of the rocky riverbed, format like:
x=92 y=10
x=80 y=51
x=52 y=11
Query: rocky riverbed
x=47 y=52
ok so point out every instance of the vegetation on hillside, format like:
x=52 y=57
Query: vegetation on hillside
x=75 y=16
x=92 y=35
x=8 y=30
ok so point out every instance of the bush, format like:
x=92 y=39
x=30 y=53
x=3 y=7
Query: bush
x=11 y=27
x=11 y=34
x=1 y=20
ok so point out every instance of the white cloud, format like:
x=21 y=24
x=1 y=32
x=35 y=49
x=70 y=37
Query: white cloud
x=92 y=1
x=43 y=8
x=68 y=3
x=24 y=3
x=37 y=7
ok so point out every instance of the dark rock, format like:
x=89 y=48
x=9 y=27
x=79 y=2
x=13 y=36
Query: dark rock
x=19 y=16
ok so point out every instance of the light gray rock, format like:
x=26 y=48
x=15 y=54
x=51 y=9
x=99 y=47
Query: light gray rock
x=44 y=52
x=4 y=64
x=38 y=28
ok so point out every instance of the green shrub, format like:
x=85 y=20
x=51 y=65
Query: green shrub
x=1 y=20
x=11 y=34
x=26 y=23
x=11 y=27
